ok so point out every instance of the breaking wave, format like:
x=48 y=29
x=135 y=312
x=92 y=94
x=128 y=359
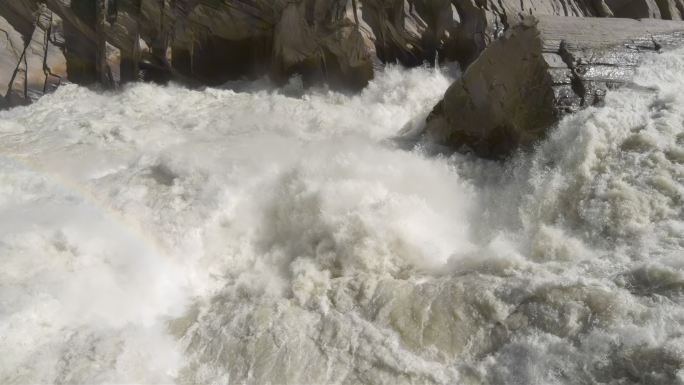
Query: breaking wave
x=247 y=235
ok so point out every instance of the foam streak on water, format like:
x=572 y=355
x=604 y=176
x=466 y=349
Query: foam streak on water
x=162 y=235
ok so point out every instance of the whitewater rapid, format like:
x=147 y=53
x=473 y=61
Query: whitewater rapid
x=247 y=235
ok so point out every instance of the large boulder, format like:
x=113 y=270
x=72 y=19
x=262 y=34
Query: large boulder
x=540 y=70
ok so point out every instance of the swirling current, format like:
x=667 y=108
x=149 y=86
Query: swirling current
x=248 y=235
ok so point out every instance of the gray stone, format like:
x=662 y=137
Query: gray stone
x=338 y=42
x=31 y=64
x=540 y=70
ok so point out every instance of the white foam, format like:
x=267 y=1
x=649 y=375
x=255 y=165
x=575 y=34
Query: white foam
x=161 y=234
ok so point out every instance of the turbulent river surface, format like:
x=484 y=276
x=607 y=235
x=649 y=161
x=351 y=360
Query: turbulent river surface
x=162 y=235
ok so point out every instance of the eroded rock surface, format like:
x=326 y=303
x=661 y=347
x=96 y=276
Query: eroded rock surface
x=338 y=42
x=31 y=62
x=540 y=70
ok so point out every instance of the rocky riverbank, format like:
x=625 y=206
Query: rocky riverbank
x=44 y=43
x=541 y=70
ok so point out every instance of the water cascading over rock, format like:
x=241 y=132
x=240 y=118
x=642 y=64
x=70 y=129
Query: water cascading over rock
x=541 y=70
x=342 y=43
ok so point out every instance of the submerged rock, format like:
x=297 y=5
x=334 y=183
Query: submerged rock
x=540 y=70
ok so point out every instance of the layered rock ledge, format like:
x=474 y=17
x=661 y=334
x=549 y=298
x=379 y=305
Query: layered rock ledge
x=540 y=70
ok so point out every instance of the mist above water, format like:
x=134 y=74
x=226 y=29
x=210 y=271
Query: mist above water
x=163 y=235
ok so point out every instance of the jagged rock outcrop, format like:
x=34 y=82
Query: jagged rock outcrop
x=339 y=42
x=216 y=41
x=540 y=70
x=317 y=40
x=485 y=21
x=31 y=62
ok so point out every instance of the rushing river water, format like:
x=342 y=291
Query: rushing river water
x=162 y=235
